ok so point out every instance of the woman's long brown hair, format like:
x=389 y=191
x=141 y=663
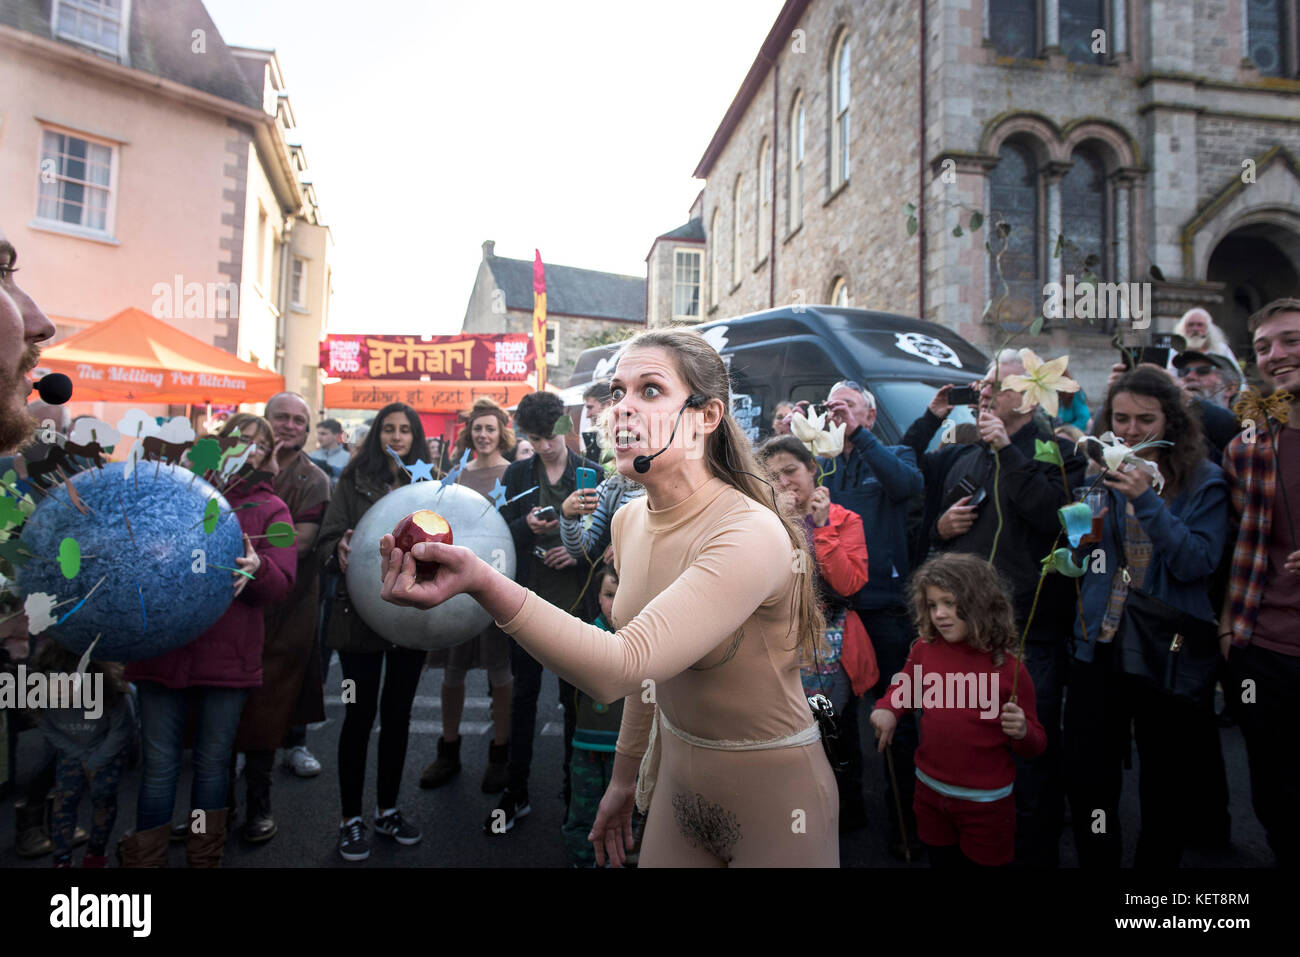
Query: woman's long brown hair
x=730 y=456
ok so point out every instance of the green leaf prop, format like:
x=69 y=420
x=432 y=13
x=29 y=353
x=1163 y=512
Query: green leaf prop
x=281 y=534
x=69 y=557
x=1048 y=452
x=976 y=220
x=10 y=552
x=1063 y=562
x=205 y=455
x=956 y=230
x=10 y=512
x=211 y=512
x=912 y=225
x=1036 y=326
x=563 y=425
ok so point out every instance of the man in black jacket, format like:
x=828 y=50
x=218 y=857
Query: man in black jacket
x=543 y=564
x=1013 y=464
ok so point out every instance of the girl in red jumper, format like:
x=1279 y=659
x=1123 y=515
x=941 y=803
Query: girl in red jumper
x=978 y=704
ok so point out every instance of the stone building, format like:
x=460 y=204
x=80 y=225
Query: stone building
x=1109 y=136
x=148 y=163
x=583 y=307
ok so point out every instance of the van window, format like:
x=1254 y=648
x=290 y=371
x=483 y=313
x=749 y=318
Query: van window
x=905 y=400
x=754 y=370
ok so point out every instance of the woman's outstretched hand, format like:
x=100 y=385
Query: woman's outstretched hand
x=611 y=835
x=459 y=570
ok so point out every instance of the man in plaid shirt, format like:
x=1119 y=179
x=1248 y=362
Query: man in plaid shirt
x=1261 y=618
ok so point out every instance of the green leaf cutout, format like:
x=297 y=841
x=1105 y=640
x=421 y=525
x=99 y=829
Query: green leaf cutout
x=956 y=230
x=912 y=225
x=1048 y=452
x=69 y=557
x=281 y=534
x=1036 y=326
x=204 y=455
x=11 y=552
x=976 y=220
x=211 y=512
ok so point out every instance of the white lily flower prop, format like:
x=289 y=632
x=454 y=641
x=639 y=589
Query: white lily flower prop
x=1041 y=381
x=821 y=437
x=1116 y=454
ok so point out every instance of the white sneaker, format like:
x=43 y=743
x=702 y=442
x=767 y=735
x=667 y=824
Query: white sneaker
x=302 y=762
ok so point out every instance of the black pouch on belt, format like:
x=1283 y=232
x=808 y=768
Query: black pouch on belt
x=824 y=712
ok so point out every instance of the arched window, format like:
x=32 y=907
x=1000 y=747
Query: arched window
x=795 y=209
x=1013 y=199
x=714 y=239
x=1083 y=201
x=840 y=292
x=764 y=190
x=1079 y=20
x=1264 y=36
x=736 y=195
x=1013 y=27
x=840 y=100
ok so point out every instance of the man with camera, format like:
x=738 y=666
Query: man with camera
x=544 y=565
x=998 y=499
x=881 y=483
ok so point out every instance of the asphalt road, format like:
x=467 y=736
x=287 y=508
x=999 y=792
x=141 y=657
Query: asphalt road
x=451 y=817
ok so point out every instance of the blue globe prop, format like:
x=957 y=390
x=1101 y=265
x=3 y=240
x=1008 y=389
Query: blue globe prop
x=475 y=523
x=153 y=596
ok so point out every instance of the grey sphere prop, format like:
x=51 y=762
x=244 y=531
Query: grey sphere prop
x=475 y=523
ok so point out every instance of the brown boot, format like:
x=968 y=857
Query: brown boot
x=145 y=848
x=205 y=850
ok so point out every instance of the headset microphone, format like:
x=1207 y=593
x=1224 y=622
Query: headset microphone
x=55 y=388
x=642 y=462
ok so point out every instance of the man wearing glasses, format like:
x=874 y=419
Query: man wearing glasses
x=1208 y=376
x=881 y=483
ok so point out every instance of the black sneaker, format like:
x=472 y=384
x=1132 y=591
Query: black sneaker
x=398 y=828
x=508 y=810
x=354 y=843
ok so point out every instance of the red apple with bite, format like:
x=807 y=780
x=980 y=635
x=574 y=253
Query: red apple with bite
x=423 y=525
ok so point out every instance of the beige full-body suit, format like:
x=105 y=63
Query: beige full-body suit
x=706 y=629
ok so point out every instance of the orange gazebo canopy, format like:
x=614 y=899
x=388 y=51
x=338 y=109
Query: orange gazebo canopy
x=133 y=357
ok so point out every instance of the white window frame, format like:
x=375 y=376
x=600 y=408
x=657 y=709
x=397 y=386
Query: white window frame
x=263 y=225
x=110 y=217
x=798 y=146
x=737 y=194
x=552 y=347
x=763 y=193
x=699 y=266
x=123 y=50
x=713 y=239
x=298 y=282
x=841 y=114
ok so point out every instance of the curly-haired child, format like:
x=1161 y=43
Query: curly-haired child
x=961 y=672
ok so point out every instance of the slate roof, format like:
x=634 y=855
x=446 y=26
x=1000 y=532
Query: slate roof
x=160 y=42
x=571 y=291
x=694 y=230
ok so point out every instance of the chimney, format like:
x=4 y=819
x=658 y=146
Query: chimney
x=489 y=249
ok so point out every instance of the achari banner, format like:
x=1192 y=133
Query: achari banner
x=506 y=357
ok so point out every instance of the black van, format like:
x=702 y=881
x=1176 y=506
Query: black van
x=799 y=352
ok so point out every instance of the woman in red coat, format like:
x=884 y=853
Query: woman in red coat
x=210 y=675
x=845 y=666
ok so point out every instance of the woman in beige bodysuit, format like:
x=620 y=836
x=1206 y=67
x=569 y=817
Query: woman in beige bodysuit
x=715 y=608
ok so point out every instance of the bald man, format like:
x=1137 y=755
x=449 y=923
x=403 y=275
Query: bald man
x=290 y=696
x=23 y=326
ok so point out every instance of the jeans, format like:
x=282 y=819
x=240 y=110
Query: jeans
x=1040 y=789
x=162 y=719
x=1268 y=717
x=394 y=709
x=890 y=630
x=1099 y=710
x=523 y=719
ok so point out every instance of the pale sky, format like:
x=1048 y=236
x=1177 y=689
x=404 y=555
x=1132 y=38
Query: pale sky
x=571 y=126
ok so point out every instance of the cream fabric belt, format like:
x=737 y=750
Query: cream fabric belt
x=809 y=735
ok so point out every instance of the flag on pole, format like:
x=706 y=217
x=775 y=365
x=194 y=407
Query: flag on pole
x=539 y=317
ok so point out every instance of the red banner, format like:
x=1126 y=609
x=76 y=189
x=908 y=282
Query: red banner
x=507 y=357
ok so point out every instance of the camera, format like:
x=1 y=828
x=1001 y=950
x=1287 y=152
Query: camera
x=819 y=408
x=963 y=395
